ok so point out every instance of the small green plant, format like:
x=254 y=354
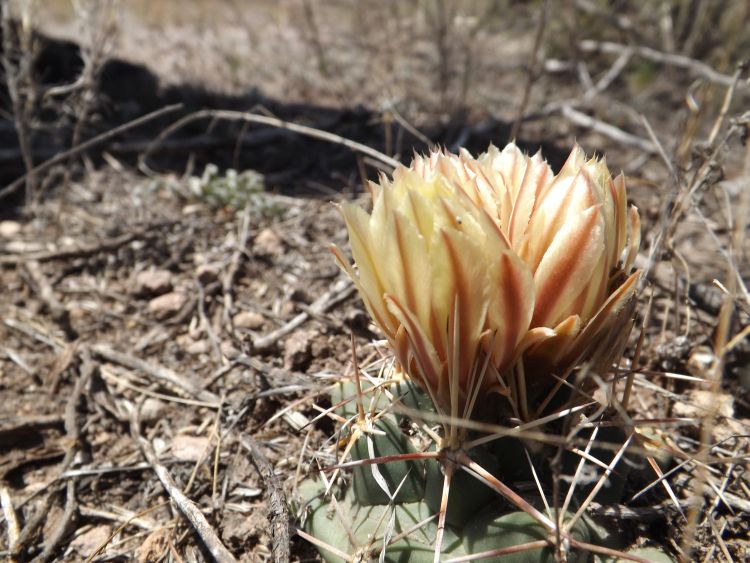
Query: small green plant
x=232 y=189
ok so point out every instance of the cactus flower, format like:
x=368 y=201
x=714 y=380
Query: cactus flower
x=489 y=274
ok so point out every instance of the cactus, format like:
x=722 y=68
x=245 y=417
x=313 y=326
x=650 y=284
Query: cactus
x=493 y=280
x=387 y=510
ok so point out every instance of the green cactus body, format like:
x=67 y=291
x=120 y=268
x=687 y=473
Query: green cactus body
x=491 y=531
x=394 y=504
x=355 y=528
x=473 y=497
x=405 y=479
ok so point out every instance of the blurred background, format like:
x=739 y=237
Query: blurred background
x=395 y=75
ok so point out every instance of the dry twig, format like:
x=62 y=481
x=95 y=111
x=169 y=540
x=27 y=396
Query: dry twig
x=108 y=245
x=340 y=291
x=156 y=371
x=273 y=122
x=188 y=508
x=276 y=500
x=697 y=67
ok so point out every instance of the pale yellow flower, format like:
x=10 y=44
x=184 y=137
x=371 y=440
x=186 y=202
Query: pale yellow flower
x=474 y=268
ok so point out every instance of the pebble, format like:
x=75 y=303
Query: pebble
x=168 y=304
x=297 y=349
x=268 y=243
x=9 y=229
x=248 y=319
x=228 y=350
x=90 y=540
x=152 y=282
x=152 y=410
x=189 y=448
x=198 y=347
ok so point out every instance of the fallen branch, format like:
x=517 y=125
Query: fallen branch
x=108 y=245
x=266 y=120
x=11 y=518
x=73 y=435
x=614 y=133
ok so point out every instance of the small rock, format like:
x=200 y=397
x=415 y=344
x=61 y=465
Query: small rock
x=152 y=410
x=90 y=540
x=297 y=349
x=249 y=320
x=288 y=308
x=207 y=273
x=9 y=229
x=189 y=448
x=192 y=208
x=700 y=403
x=198 y=347
x=268 y=243
x=152 y=282
x=168 y=304
x=700 y=361
x=228 y=350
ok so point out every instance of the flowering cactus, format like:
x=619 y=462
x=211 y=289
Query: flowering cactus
x=489 y=274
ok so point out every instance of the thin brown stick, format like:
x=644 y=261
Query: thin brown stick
x=62 y=527
x=73 y=432
x=156 y=371
x=108 y=245
x=19 y=79
x=59 y=313
x=531 y=73
x=340 y=291
x=188 y=508
x=276 y=500
x=614 y=133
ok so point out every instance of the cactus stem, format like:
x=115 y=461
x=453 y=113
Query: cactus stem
x=384 y=459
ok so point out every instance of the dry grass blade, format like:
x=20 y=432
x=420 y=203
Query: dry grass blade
x=273 y=122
